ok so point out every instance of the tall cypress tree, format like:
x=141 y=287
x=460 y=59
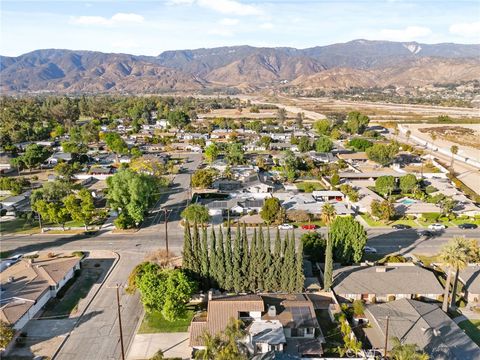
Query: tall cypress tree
x=204 y=259
x=300 y=277
x=237 y=261
x=196 y=251
x=292 y=281
x=286 y=264
x=328 y=273
x=261 y=269
x=277 y=261
x=220 y=263
x=245 y=258
x=228 y=285
x=252 y=270
x=212 y=259
x=269 y=268
x=187 y=248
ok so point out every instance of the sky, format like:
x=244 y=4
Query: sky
x=150 y=27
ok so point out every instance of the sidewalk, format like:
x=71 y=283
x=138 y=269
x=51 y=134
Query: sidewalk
x=173 y=345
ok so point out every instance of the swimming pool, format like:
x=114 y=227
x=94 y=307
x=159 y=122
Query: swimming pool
x=407 y=201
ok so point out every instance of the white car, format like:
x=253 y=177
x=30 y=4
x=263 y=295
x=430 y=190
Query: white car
x=370 y=250
x=436 y=226
x=285 y=227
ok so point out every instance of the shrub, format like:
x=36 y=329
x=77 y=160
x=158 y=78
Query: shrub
x=358 y=307
x=391 y=297
x=430 y=189
x=430 y=217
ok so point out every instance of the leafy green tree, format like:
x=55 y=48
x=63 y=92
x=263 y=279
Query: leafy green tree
x=131 y=194
x=382 y=153
x=65 y=170
x=335 y=180
x=211 y=152
x=178 y=119
x=270 y=210
x=360 y=144
x=265 y=141
x=34 y=155
x=382 y=210
x=81 y=207
x=196 y=213
x=6 y=334
x=385 y=185
x=322 y=127
x=235 y=154
x=53 y=212
x=203 y=178
x=356 y=122
x=74 y=147
x=348 y=239
x=323 y=144
x=313 y=246
x=116 y=144
x=148 y=165
x=304 y=144
x=406 y=351
x=408 y=183
x=188 y=255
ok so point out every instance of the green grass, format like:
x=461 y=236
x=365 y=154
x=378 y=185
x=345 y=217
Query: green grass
x=472 y=329
x=154 y=322
x=18 y=226
x=313 y=186
x=372 y=222
x=427 y=260
x=465 y=221
x=411 y=223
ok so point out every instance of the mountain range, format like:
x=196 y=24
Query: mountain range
x=358 y=63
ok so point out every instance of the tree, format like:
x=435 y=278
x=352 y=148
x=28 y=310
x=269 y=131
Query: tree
x=447 y=204
x=116 y=144
x=6 y=334
x=348 y=239
x=131 y=194
x=265 y=141
x=74 y=147
x=328 y=215
x=335 y=180
x=408 y=183
x=188 y=257
x=304 y=144
x=149 y=165
x=313 y=246
x=178 y=119
x=81 y=207
x=382 y=153
x=382 y=210
x=235 y=154
x=196 y=213
x=360 y=144
x=54 y=212
x=356 y=122
x=211 y=152
x=455 y=255
x=34 y=155
x=323 y=144
x=406 y=351
x=385 y=185
x=454 y=151
x=203 y=178
x=322 y=127
x=65 y=170
x=270 y=210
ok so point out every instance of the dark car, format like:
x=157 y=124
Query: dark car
x=425 y=233
x=401 y=226
x=467 y=226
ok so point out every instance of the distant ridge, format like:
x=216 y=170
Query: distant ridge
x=358 y=63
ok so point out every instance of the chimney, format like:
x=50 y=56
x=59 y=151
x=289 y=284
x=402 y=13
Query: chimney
x=11 y=279
x=380 y=269
x=210 y=295
x=272 y=311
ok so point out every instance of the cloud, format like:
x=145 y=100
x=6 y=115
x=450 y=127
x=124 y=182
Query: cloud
x=408 y=34
x=221 y=32
x=266 y=26
x=230 y=7
x=119 y=18
x=229 y=22
x=471 y=30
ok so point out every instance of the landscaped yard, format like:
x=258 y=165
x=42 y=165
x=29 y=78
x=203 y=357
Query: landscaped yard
x=309 y=186
x=331 y=332
x=372 y=222
x=18 y=225
x=472 y=329
x=154 y=322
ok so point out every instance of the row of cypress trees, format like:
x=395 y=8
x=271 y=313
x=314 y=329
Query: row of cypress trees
x=233 y=262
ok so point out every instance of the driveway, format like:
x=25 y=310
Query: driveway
x=173 y=345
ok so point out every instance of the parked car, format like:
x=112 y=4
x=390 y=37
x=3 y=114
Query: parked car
x=467 y=226
x=370 y=250
x=425 y=233
x=309 y=227
x=285 y=227
x=401 y=226
x=436 y=226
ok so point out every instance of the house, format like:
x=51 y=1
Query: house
x=354 y=158
x=225 y=184
x=470 y=277
x=59 y=157
x=328 y=195
x=17 y=203
x=422 y=324
x=307 y=202
x=386 y=283
x=415 y=207
x=324 y=158
x=257 y=183
x=365 y=199
x=28 y=284
x=369 y=174
x=5 y=163
x=274 y=322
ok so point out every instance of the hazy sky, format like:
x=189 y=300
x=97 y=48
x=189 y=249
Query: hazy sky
x=150 y=27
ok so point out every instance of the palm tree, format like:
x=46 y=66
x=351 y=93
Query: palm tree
x=328 y=215
x=454 y=151
x=455 y=256
x=406 y=351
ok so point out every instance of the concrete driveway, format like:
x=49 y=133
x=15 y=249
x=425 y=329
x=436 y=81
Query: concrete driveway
x=144 y=346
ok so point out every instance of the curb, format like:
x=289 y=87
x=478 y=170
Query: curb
x=87 y=306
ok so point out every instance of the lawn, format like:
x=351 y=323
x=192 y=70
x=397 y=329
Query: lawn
x=309 y=186
x=372 y=222
x=17 y=226
x=472 y=329
x=411 y=223
x=427 y=260
x=154 y=322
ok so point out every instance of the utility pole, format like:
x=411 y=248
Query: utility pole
x=120 y=322
x=386 y=338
